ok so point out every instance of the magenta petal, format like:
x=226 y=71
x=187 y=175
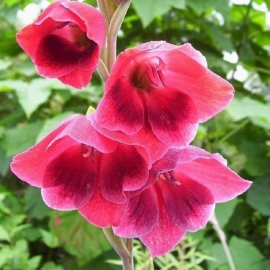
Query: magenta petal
x=223 y=183
x=173 y=116
x=82 y=131
x=165 y=236
x=190 y=204
x=29 y=166
x=144 y=137
x=101 y=212
x=141 y=216
x=77 y=78
x=56 y=56
x=126 y=169
x=121 y=108
x=69 y=180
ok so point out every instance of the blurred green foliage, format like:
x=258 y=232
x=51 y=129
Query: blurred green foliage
x=34 y=237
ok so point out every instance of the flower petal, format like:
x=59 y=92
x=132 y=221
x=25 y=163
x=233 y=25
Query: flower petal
x=121 y=109
x=101 y=212
x=69 y=180
x=173 y=116
x=145 y=137
x=190 y=204
x=56 y=56
x=165 y=236
x=126 y=169
x=209 y=92
x=29 y=166
x=141 y=216
x=223 y=183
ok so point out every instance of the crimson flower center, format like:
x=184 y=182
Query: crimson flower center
x=148 y=73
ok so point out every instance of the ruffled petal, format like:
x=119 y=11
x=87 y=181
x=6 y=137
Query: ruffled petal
x=173 y=116
x=101 y=212
x=126 y=169
x=223 y=183
x=190 y=204
x=209 y=92
x=69 y=180
x=92 y=20
x=194 y=54
x=121 y=109
x=82 y=131
x=145 y=137
x=141 y=216
x=29 y=166
x=165 y=235
x=77 y=78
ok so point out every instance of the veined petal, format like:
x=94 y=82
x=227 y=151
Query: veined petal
x=141 y=216
x=29 y=166
x=101 y=212
x=165 y=235
x=126 y=169
x=223 y=183
x=121 y=109
x=190 y=204
x=56 y=56
x=209 y=92
x=145 y=137
x=173 y=116
x=69 y=180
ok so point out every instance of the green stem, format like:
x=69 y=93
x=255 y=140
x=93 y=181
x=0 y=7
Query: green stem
x=122 y=246
x=102 y=70
x=223 y=241
x=115 y=25
x=228 y=135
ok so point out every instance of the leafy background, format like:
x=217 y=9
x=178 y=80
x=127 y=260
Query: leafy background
x=235 y=38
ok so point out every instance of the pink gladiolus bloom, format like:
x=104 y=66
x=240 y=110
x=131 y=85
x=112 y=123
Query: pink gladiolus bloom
x=65 y=42
x=162 y=91
x=78 y=168
x=187 y=184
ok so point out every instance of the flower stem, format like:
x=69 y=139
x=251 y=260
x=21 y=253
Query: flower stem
x=102 y=70
x=115 y=25
x=122 y=246
x=223 y=241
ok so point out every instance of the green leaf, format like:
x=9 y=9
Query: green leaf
x=18 y=139
x=49 y=239
x=224 y=211
x=247 y=107
x=202 y=6
x=4 y=234
x=34 y=204
x=148 y=10
x=221 y=41
x=244 y=253
x=258 y=195
x=33 y=263
x=78 y=237
x=33 y=94
x=51 y=266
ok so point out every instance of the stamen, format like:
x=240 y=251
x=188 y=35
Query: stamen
x=169 y=177
x=62 y=25
x=161 y=77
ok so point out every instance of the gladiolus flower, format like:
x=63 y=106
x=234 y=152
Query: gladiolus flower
x=78 y=168
x=187 y=184
x=65 y=42
x=161 y=90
